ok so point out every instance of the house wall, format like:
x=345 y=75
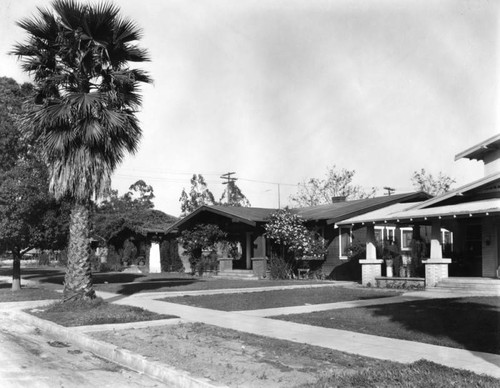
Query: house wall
x=490 y=246
x=337 y=266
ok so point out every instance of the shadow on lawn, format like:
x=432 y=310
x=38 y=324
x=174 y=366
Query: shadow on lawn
x=153 y=284
x=472 y=322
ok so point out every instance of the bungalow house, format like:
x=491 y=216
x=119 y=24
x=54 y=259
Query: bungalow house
x=245 y=225
x=471 y=213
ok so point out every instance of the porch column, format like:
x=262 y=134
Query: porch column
x=259 y=261
x=154 y=258
x=436 y=267
x=370 y=267
x=225 y=262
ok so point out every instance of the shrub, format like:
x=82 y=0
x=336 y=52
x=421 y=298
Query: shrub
x=169 y=257
x=279 y=268
x=201 y=237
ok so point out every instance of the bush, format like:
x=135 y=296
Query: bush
x=43 y=258
x=279 y=269
x=113 y=262
x=169 y=257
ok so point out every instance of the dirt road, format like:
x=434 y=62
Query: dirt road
x=28 y=359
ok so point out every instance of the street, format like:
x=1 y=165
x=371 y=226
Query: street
x=29 y=359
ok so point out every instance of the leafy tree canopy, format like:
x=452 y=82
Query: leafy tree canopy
x=433 y=185
x=133 y=210
x=29 y=216
x=233 y=196
x=198 y=195
x=337 y=183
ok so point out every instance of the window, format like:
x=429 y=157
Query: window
x=385 y=233
x=345 y=239
x=406 y=236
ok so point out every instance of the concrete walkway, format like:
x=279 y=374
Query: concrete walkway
x=346 y=341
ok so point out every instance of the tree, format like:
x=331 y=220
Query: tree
x=424 y=181
x=29 y=216
x=199 y=195
x=336 y=184
x=115 y=211
x=84 y=114
x=233 y=196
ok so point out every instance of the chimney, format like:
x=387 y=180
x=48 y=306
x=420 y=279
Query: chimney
x=341 y=198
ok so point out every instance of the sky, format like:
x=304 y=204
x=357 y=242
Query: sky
x=278 y=90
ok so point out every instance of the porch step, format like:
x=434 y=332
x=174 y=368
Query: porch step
x=488 y=286
x=243 y=274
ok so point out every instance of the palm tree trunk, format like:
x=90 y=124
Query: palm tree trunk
x=78 y=280
x=16 y=269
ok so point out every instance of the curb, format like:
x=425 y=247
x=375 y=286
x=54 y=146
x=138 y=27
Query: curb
x=162 y=372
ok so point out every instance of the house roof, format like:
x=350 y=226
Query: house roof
x=330 y=213
x=401 y=213
x=480 y=150
x=339 y=211
x=461 y=191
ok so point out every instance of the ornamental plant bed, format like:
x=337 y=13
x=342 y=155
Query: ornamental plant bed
x=280 y=298
x=239 y=359
x=95 y=312
x=471 y=323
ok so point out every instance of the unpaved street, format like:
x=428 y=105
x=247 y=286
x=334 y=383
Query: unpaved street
x=28 y=359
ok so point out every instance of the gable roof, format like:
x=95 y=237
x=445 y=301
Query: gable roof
x=480 y=183
x=400 y=213
x=339 y=211
x=480 y=150
x=331 y=213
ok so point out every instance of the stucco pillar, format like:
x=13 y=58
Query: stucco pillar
x=371 y=267
x=436 y=267
x=154 y=258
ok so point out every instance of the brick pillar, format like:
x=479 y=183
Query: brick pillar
x=259 y=266
x=436 y=268
x=371 y=267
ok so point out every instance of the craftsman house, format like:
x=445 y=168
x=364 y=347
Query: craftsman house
x=470 y=213
x=245 y=225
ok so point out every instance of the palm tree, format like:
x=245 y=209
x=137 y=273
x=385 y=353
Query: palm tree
x=85 y=103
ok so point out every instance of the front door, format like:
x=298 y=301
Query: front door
x=473 y=251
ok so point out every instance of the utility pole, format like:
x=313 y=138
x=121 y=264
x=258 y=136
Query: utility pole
x=390 y=190
x=229 y=179
x=279 y=197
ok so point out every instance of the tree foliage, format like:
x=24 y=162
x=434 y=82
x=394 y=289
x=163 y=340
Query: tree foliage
x=233 y=196
x=198 y=195
x=133 y=210
x=433 y=185
x=337 y=183
x=203 y=237
x=29 y=216
x=288 y=231
x=86 y=97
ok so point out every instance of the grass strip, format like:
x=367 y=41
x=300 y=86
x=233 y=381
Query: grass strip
x=95 y=312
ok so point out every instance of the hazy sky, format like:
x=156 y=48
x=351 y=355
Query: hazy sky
x=276 y=91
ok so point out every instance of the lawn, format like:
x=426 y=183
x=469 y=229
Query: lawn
x=471 y=323
x=96 y=312
x=126 y=283
x=280 y=298
x=25 y=293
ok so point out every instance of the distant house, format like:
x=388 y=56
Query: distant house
x=129 y=236
x=470 y=213
x=246 y=226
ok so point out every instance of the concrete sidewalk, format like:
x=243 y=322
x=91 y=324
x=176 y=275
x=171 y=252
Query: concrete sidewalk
x=346 y=341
